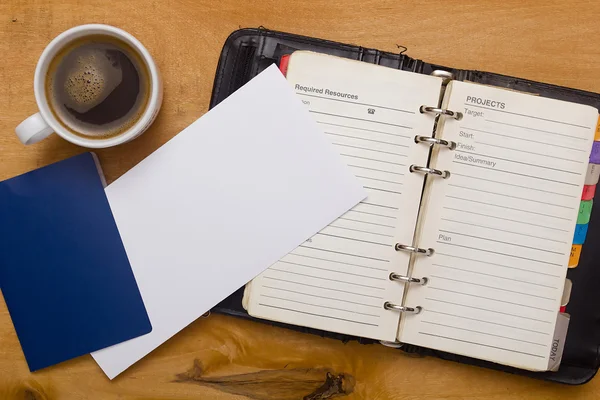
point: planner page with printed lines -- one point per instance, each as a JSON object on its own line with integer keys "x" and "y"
{"x": 501, "y": 225}
{"x": 339, "y": 279}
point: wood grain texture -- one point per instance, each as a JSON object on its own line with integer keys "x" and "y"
{"x": 227, "y": 358}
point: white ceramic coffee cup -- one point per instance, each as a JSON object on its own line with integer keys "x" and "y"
{"x": 44, "y": 123}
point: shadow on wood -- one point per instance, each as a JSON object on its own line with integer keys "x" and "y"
{"x": 26, "y": 390}
{"x": 283, "y": 384}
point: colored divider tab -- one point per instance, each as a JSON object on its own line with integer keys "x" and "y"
{"x": 580, "y": 233}
{"x": 595, "y": 154}
{"x": 566, "y": 296}
{"x": 285, "y": 60}
{"x": 585, "y": 210}
{"x": 574, "y": 256}
{"x": 588, "y": 192}
{"x": 597, "y": 135}
{"x": 592, "y": 175}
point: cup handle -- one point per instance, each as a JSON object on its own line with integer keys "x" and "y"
{"x": 33, "y": 129}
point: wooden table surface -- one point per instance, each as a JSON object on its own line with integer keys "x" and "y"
{"x": 552, "y": 42}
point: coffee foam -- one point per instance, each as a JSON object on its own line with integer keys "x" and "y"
{"x": 90, "y": 79}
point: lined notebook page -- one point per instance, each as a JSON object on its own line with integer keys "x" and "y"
{"x": 339, "y": 279}
{"x": 502, "y": 226}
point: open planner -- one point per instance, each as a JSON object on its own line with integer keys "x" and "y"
{"x": 463, "y": 242}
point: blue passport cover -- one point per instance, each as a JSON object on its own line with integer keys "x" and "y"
{"x": 64, "y": 272}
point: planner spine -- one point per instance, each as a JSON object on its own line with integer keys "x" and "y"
{"x": 431, "y": 141}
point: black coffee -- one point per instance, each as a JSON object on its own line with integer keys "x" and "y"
{"x": 97, "y": 86}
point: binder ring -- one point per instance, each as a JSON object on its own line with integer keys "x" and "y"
{"x": 432, "y": 171}
{"x": 408, "y": 279}
{"x": 446, "y": 76}
{"x": 441, "y": 111}
{"x": 434, "y": 141}
{"x": 410, "y": 310}
{"x": 416, "y": 250}
{"x": 395, "y": 345}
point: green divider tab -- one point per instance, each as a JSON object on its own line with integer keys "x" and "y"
{"x": 585, "y": 210}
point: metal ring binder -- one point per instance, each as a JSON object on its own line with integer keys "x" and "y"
{"x": 446, "y": 76}
{"x": 434, "y": 141}
{"x": 407, "y": 279}
{"x": 395, "y": 345}
{"x": 432, "y": 171}
{"x": 411, "y": 249}
{"x": 441, "y": 111}
{"x": 410, "y": 310}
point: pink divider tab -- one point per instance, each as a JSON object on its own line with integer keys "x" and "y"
{"x": 588, "y": 192}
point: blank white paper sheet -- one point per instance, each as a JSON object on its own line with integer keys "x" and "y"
{"x": 220, "y": 202}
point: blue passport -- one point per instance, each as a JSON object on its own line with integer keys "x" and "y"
{"x": 64, "y": 273}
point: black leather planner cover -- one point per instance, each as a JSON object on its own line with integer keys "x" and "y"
{"x": 249, "y": 51}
